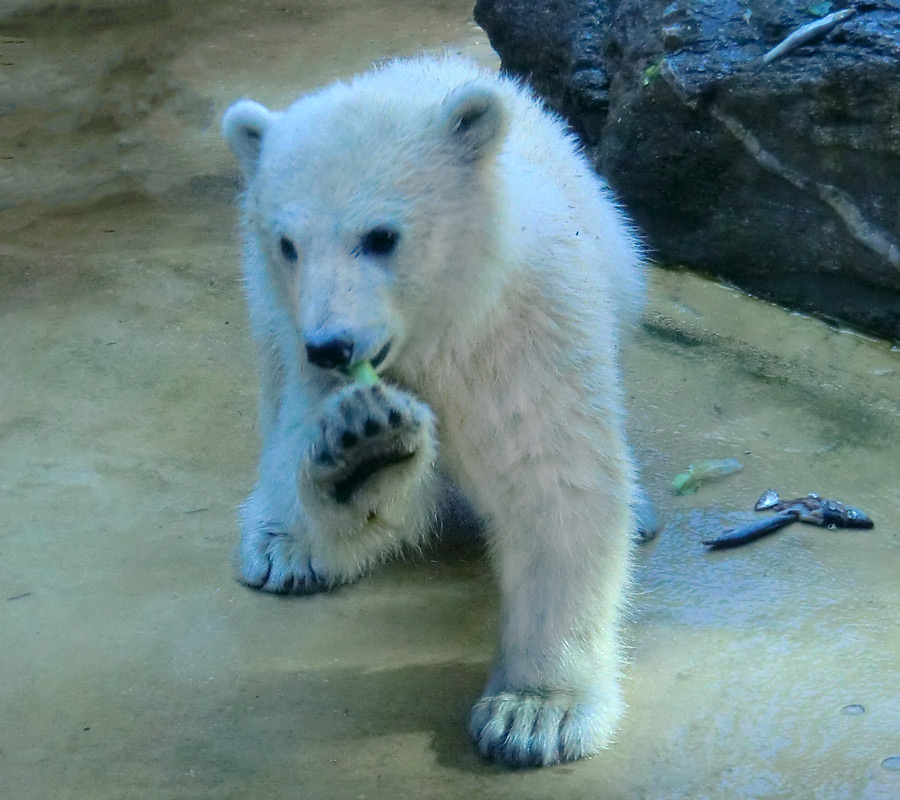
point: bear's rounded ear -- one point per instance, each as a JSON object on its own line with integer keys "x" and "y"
{"x": 244, "y": 126}
{"x": 473, "y": 117}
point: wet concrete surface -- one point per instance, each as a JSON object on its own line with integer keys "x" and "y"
{"x": 134, "y": 665}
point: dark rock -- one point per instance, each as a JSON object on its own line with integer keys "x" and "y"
{"x": 782, "y": 178}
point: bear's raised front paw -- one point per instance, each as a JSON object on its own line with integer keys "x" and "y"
{"x": 275, "y": 562}
{"x": 366, "y": 431}
{"x": 530, "y": 729}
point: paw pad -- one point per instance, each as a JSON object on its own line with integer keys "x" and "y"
{"x": 365, "y": 430}
{"x": 371, "y": 427}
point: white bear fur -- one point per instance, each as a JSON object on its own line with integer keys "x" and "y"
{"x": 513, "y": 273}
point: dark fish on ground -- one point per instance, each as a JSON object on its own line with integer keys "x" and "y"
{"x": 812, "y": 509}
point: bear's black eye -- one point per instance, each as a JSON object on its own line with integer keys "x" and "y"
{"x": 379, "y": 241}
{"x": 287, "y": 249}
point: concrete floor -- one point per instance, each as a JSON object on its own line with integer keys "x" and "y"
{"x": 132, "y": 663}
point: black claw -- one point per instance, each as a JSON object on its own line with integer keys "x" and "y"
{"x": 265, "y": 578}
{"x": 311, "y": 584}
{"x": 394, "y": 418}
{"x": 349, "y": 439}
{"x": 371, "y": 427}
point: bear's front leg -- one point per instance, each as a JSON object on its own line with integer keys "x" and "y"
{"x": 561, "y": 546}
{"x": 360, "y": 484}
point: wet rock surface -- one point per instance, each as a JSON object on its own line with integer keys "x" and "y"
{"x": 781, "y": 177}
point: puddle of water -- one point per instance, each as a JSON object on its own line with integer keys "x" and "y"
{"x": 135, "y": 666}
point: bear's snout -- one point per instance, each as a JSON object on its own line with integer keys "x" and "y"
{"x": 333, "y": 353}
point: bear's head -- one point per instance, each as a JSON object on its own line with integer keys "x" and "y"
{"x": 373, "y": 206}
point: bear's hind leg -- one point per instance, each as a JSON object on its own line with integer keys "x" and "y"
{"x": 647, "y": 523}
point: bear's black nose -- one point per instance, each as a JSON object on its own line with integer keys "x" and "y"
{"x": 330, "y": 353}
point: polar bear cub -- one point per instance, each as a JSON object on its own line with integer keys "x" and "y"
{"x": 433, "y": 219}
